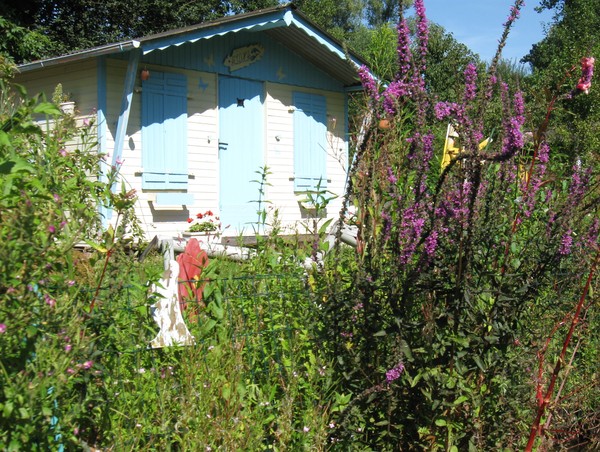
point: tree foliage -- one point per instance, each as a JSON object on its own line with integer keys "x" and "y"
{"x": 70, "y": 25}
{"x": 555, "y": 63}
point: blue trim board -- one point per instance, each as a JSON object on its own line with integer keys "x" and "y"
{"x": 130, "y": 76}
{"x": 102, "y": 126}
{"x": 269, "y": 21}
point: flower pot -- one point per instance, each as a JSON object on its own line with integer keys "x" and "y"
{"x": 385, "y": 124}
{"x": 203, "y": 237}
{"x": 68, "y": 108}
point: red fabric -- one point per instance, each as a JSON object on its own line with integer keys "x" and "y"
{"x": 191, "y": 262}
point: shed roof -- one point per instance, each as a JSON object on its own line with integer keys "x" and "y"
{"x": 284, "y": 23}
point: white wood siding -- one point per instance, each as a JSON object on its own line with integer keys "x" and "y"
{"x": 280, "y": 152}
{"x": 202, "y": 149}
{"x": 80, "y": 80}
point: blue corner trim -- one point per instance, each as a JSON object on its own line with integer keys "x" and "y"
{"x": 102, "y": 127}
{"x": 130, "y": 76}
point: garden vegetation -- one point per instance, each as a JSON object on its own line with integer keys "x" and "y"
{"x": 466, "y": 318}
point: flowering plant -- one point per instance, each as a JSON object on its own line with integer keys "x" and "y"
{"x": 204, "y": 222}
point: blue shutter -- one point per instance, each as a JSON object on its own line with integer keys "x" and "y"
{"x": 164, "y": 132}
{"x": 310, "y": 141}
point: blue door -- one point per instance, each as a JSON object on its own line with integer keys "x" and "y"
{"x": 241, "y": 150}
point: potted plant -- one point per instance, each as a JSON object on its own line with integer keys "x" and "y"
{"x": 205, "y": 224}
{"x": 63, "y": 100}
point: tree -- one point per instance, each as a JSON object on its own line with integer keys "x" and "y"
{"x": 339, "y": 17}
{"x": 68, "y": 25}
{"x": 555, "y": 61}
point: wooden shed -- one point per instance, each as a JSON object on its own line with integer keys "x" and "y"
{"x": 193, "y": 116}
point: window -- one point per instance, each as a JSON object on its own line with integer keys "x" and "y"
{"x": 164, "y": 132}
{"x": 310, "y": 141}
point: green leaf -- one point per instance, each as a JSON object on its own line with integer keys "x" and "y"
{"x": 7, "y": 409}
{"x": 460, "y": 400}
{"x": 7, "y": 166}
{"x": 46, "y": 108}
{"x": 380, "y": 333}
{"x": 477, "y": 360}
{"x": 440, "y": 422}
{"x": 4, "y": 139}
{"x": 96, "y": 246}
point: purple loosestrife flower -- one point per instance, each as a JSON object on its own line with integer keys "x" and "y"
{"x": 513, "y": 137}
{"x": 423, "y": 39}
{"x": 444, "y": 109}
{"x": 565, "y": 243}
{"x": 392, "y": 179}
{"x": 431, "y": 243}
{"x": 410, "y": 231}
{"x": 422, "y": 29}
{"x": 403, "y": 50}
{"x": 531, "y": 184}
{"x": 470, "y": 82}
{"x": 395, "y": 372}
{"x": 369, "y": 83}
{"x": 387, "y": 225}
{"x": 515, "y": 12}
{"x": 579, "y": 182}
{"x": 393, "y": 92}
{"x": 590, "y": 241}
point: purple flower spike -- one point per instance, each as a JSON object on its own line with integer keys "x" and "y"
{"x": 395, "y": 372}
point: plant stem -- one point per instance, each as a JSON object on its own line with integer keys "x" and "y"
{"x": 535, "y": 428}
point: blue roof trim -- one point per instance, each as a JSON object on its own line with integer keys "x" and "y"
{"x": 272, "y": 20}
{"x": 304, "y": 26}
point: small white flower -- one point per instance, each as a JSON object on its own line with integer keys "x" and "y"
{"x": 305, "y": 429}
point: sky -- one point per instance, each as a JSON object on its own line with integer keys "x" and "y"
{"x": 479, "y": 24}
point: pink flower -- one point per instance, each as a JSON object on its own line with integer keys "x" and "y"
{"x": 63, "y": 152}
{"x": 70, "y": 371}
{"x": 49, "y": 300}
{"x": 587, "y": 72}
{"x": 2, "y": 328}
{"x": 87, "y": 364}
{"x": 51, "y": 229}
{"x": 68, "y": 348}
